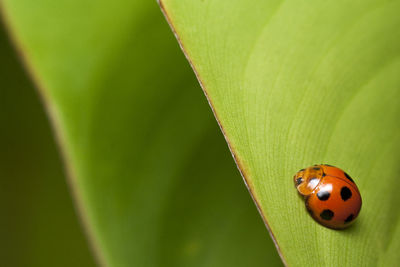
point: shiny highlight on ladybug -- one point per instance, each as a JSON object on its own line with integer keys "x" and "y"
{"x": 332, "y": 198}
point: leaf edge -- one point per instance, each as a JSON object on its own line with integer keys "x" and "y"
{"x": 239, "y": 164}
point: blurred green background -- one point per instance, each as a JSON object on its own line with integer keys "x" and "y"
{"x": 153, "y": 169}
{"x": 39, "y": 226}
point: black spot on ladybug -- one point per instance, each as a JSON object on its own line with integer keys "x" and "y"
{"x": 323, "y": 195}
{"x": 299, "y": 180}
{"x": 348, "y": 177}
{"x": 327, "y": 215}
{"x": 323, "y": 174}
{"x": 345, "y": 193}
{"x": 316, "y": 168}
{"x": 349, "y": 219}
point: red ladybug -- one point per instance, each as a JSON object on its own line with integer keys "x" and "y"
{"x": 332, "y": 198}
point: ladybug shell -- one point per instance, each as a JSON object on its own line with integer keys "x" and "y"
{"x": 336, "y": 201}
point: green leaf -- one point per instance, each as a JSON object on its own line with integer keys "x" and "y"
{"x": 295, "y": 83}
{"x": 154, "y": 180}
{"x": 38, "y": 226}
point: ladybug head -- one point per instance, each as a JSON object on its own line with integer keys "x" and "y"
{"x": 306, "y": 180}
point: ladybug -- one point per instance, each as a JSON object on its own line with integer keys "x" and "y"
{"x": 332, "y": 198}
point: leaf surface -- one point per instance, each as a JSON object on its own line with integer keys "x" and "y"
{"x": 297, "y": 83}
